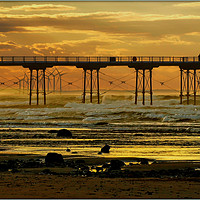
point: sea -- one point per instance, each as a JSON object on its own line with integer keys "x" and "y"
{"x": 163, "y": 131}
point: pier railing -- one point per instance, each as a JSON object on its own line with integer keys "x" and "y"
{"x": 79, "y": 59}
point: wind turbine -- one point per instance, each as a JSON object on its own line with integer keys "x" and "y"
{"x": 19, "y": 82}
{"x": 25, "y": 81}
{"x": 60, "y": 77}
{"x": 48, "y": 82}
{"x": 54, "y": 79}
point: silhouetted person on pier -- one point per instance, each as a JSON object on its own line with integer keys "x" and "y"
{"x": 199, "y": 57}
{"x": 134, "y": 59}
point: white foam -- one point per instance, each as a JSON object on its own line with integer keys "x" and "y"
{"x": 112, "y": 108}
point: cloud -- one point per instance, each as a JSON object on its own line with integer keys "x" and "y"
{"x": 108, "y": 22}
{"x": 97, "y": 32}
{"x": 8, "y": 46}
{"x": 2, "y": 35}
{"x": 188, "y": 5}
{"x": 91, "y": 46}
{"x": 38, "y": 7}
{"x": 110, "y": 16}
{"x": 193, "y": 34}
{"x": 167, "y": 39}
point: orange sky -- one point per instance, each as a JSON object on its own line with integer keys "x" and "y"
{"x": 100, "y": 29}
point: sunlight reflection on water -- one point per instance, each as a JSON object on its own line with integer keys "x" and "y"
{"x": 168, "y": 131}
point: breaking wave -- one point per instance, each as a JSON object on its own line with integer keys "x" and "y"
{"x": 119, "y": 109}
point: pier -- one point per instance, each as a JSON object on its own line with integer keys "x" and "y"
{"x": 91, "y": 66}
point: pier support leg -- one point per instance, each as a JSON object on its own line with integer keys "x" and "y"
{"x": 136, "y": 87}
{"x": 37, "y": 87}
{"x": 44, "y": 86}
{"x": 144, "y": 84}
{"x": 188, "y": 86}
{"x": 151, "y": 88}
{"x": 194, "y": 86}
{"x": 143, "y": 88}
{"x": 181, "y": 87}
{"x": 30, "y": 93}
{"x": 91, "y": 85}
{"x": 84, "y": 86}
{"x": 98, "y": 94}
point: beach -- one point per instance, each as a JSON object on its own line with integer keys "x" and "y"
{"x": 154, "y": 150}
{"x": 53, "y": 187}
{"x": 99, "y": 100}
{"x": 59, "y": 182}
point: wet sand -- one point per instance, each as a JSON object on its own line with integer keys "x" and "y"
{"x": 59, "y": 186}
{"x": 31, "y": 183}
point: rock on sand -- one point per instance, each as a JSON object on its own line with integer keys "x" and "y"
{"x": 64, "y": 133}
{"x": 54, "y": 159}
{"x": 105, "y": 149}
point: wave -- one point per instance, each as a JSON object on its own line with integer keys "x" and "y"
{"x": 113, "y": 109}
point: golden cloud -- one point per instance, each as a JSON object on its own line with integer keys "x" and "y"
{"x": 91, "y": 46}
{"x": 2, "y": 35}
{"x": 8, "y": 46}
{"x": 111, "y": 16}
{"x": 193, "y": 34}
{"x": 108, "y": 22}
{"x": 37, "y": 7}
{"x": 188, "y": 5}
{"x": 170, "y": 39}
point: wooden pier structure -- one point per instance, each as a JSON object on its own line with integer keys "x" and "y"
{"x": 91, "y": 66}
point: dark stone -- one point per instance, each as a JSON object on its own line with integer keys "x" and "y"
{"x": 106, "y": 165}
{"x": 99, "y": 153}
{"x": 4, "y": 167}
{"x": 105, "y": 149}
{"x": 52, "y": 131}
{"x": 13, "y": 163}
{"x": 54, "y": 159}
{"x": 64, "y": 133}
{"x": 144, "y": 161}
{"x": 70, "y": 163}
{"x": 68, "y": 150}
{"x": 116, "y": 164}
{"x": 131, "y": 164}
{"x": 31, "y": 163}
